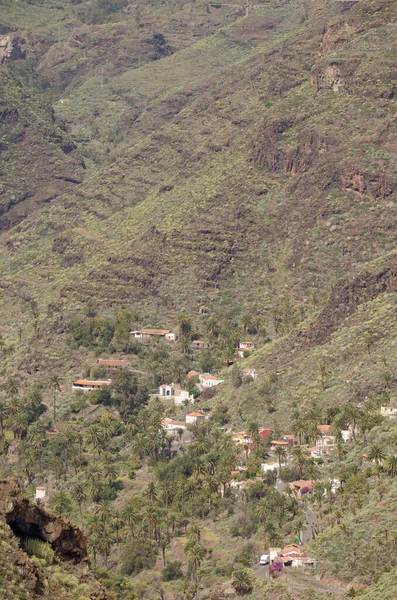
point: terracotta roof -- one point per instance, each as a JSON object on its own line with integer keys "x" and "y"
{"x": 195, "y": 414}
{"x": 40, "y": 487}
{"x": 165, "y": 385}
{"x": 247, "y": 343}
{"x": 301, "y": 483}
{"x": 279, "y": 443}
{"x": 193, "y": 373}
{"x": 209, "y": 377}
{"x": 324, "y": 428}
{"x": 173, "y": 422}
{"x": 92, "y": 383}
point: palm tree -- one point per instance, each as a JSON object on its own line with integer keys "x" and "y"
{"x": 117, "y": 522}
{"x": 104, "y": 511}
{"x": 298, "y": 429}
{"x": 106, "y": 541}
{"x": 79, "y": 494}
{"x": 195, "y": 554}
{"x": 272, "y": 534}
{"x": 164, "y": 543}
{"x": 61, "y": 502}
{"x": 377, "y": 454}
{"x": 390, "y": 464}
{"x": 194, "y": 534}
{"x": 299, "y": 459}
{"x": 246, "y": 322}
{"x": 243, "y": 581}
{"x": 263, "y": 509}
{"x": 55, "y": 382}
{"x": 151, "y": 492}
{"x": 281, "y": 454}
{"x": 94, "y": 545}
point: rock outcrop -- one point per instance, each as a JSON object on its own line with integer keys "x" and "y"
{"x": 28, "y": 519}
{"x": 10, "y": 48}
{"x": 347, "y": 295}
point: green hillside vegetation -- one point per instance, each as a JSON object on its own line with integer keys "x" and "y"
{"x": 228, "y": 172}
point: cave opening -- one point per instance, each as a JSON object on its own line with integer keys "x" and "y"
{"x": 24, "y": 530}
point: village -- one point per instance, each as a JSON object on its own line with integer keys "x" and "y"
{"x": 281, "y": 450}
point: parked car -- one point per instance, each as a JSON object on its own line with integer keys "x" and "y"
{"x": 264, "y": 559}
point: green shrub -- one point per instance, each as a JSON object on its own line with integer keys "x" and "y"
{"x": 172, "y": 571}
{"x": 137, "y": 556}
{"x": 43, "y": 550}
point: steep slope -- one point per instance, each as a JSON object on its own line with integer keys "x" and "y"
{"x": 256, "y": 167}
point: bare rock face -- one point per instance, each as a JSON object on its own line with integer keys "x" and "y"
{"x": 369, "y": 186}
{"x": 28, "y": 519}
{"x": 10, "y": 48}
{"x": 328, "y": 78}
{"x": 347, "y": 295}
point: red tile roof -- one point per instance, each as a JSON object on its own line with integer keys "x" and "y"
{"x": 92, "y": 383}
{"x": 324, "y": 428}
{"x": 110, "y": 362}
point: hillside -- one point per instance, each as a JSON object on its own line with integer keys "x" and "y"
{"x": 227, "y": 172}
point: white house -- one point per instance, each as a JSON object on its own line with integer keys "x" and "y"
{"x": 166, "y": 391}
{"x": 147, "y": 334}
{"x": 250, "y": 373}
{"x": 194, "y": 417}
{"x": 325, "y": 441}
{"x": 388, "y": 411}
{"x": 40, "y": 492}
{"x": 180, "y": 396}
{"x": 172, "y": 425}
{"x": 347, "y": 434}
{"x": 268, "y": 467}
{"x": 207, "y": 380}
{"x": 246, "y": 346}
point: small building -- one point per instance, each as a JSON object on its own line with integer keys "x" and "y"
{"x": 269, "y": 467}
{"x": 301, "y": 487}
{"x": 264, "y": 433}
{"x": 277, "y": 443}
{"x": 292, "y": 555}
{"x": 388, "y": 411}
{"x": 181, "y": 396}
{"x": 347, "y": 434}
{"x": 249, "y": 373}
{"x": 111, "y": 364}
{"x": 246, "y": 346}
{"x": 172, "y": 425}
{"x": 207, "y": 380}
{"x": 89, "y": 385}
{"x": 194, "y": 417}
{"x": 166, "y": 391}
{"x": 200, "y": 345}
{"x": 40, "y": 492}
{"x": 194, "y": 374}
{"x": 324, "y": 429}
{"x": 273, "y": 553}
{"x": 147, "y": 334}
{"x": 317, "y": 451}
